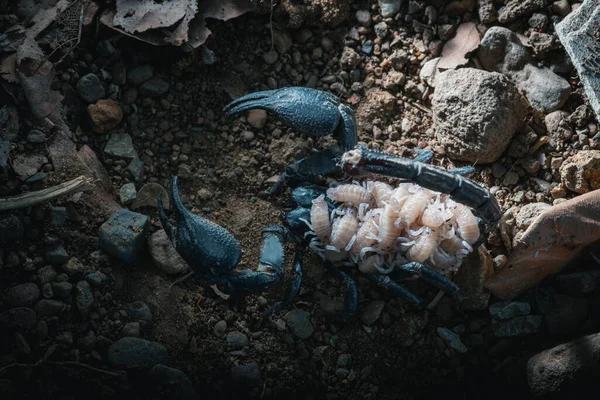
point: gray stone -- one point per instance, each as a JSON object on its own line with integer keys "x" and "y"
{"x": 46, "y": 274}
{"x": 73, "y": 266}
{"x": 571, "y": 368}
{"x": 509, "y": 309}
{"x": 518, "y": 326}
{"x": 578, "y": 33}
{"x": 136, "y": 353}
{"x": 90, "y": 89}
{"x": 136, "y": 169}
{"x": 344, "y": 361}
{"x": 372, "y": 312}
{"x": 164, "y": 255}
{"x": 172, "y": 384}
{"x": 154, "y": 87}
{"x": 48, "y": 308}
{"x": 36, "y": 137}
{"x": 47, "y": 290}
{"x": 57, "y": 256}
{"x": 138, "y": 310}
{"x": 237, "y": 340}
{"x": 502, "y": 51}
{"x": 127, "y": 193}
{"x": 389, "y": 8}
{"x": 18, "y": 318}
{"x": 131, "y": 329}
{"x": 96, "y": 278}
{"x": 26, "y": 165}
{"x": 11, "y": 227}
{"x": 298, "y": 323}
{"x": 148, "y": 194}
{"x": 220, "y": 328}
{"x": 84, "y": 299}
{"x": 247, "y": 374}
{"x": 122, "y": 236}
{"x": 23, "y": 295}
{"x": 363, "y": 17}
{"x": 476, "y": 113}
{"x": 452, "y": 339}
{"x": 62, "y": 290}
{"x": 121, "y": 145}
{"x": 58, "y": 216}
{"x": 139, "y": 74}
{"x": 517, "y": 8}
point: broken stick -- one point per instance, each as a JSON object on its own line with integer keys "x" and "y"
{"x": 29, "y": 199}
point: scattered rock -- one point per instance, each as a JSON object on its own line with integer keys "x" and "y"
{"x": 257, "y": 118}
{"x": 147, "y": 196}
{"x": 247, "y": 374}
{"x": 501, "y": 51}
{"x": 559, "y": 127}
{"x": 372, "y": 312}
{"x": 136, "y": 353}
{"x": 509, "y": 309}
{"x": 475, "y": 114}
{"x": 48, "y": 308}
{"x": 62, "y": 290}
{"x": 376, "y": 104}
{"x": 452, "y": 339}
{"x": 23, "y": 295}
{"x": 220, "y": 328}
{"x": 96, "y": 279}
{"x": 90, "y": 89}
{"x": 106, "y": 115}
{"x": 26, "y": 165}
{"x": 73, "y": 266}
{"x": 84, "y": 299}
{"x": 123, "y": 235}
{"x": 131, "y": 329}
{"x": 349, "y": 58}
{"x": 164, "y": 255}
{"x": 581, "y": 172}
{"x": 567, "y": 368}
{"x": 136, "y": 169}
{"x": 515, "y": 9}
{"x": 298, "y": 323}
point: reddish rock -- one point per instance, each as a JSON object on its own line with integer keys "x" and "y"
{"x": 105, "y": 115}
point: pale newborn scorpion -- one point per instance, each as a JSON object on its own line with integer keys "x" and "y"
{"x": 213, "y": 252}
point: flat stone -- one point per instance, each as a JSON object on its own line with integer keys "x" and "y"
{"x": 509, "y": 309}
{"x": 121, "y": 145}
{"x": 578, "y": 33}
{"x": 164, "y": 255}
{"x": 122, "y": 236}
{"x": 26, "y": 165}
{"x": 571, "y": 368}
{"x": 518, "y": 326}
{"x": 138, "y": 310}
{"x": 49, "y": 308}
{"x": 452, "y": 339}
{"x": 136, "y": 353}
{"x": 139, "y": 74}
{"x": 172, "y": 383}
{"x": 148, "y": 194}
{"x": 136, "y": 169}
{"x": 154, "y": 87}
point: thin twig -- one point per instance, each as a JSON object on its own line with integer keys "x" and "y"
{"x": 419, "y": 106}
{"x": 29, "y": 199}
{"x": 59, "y": 363}
{"x": 435, "y": 300}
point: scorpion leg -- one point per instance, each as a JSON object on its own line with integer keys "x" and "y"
{"x": 293, "y": 289}
{"x": 386, "y": 282}
{"x": 463, "y": 190}
{"x": 428, "y": 274}
{"x": 351, "y": 295}
{"x": 425, "y": 156}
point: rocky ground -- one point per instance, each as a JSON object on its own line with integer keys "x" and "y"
{"x": 78, "y": 322}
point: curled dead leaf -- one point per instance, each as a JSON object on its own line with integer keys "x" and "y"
{"x": 456, "y": 50}
{"x": 554, "y": 239}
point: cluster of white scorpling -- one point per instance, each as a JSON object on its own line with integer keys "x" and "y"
{"x": 378, "y": 227}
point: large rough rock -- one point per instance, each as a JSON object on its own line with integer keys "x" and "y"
{"x": 571, "y": 368}
{"x": 578, "y": 33}
{"x": 476, "y": 113}
{"x": 517, "y": 8}
{"x": 581, "y": 173}
{"x": 502, "y": 51}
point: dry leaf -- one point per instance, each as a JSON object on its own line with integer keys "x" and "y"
{"x": 180, "y": 34}
{"x": 455, "y": 51}
{"x": 555, "y": 237}
{"x": 135, "y": 16}
{"x": 45, "y": 17}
